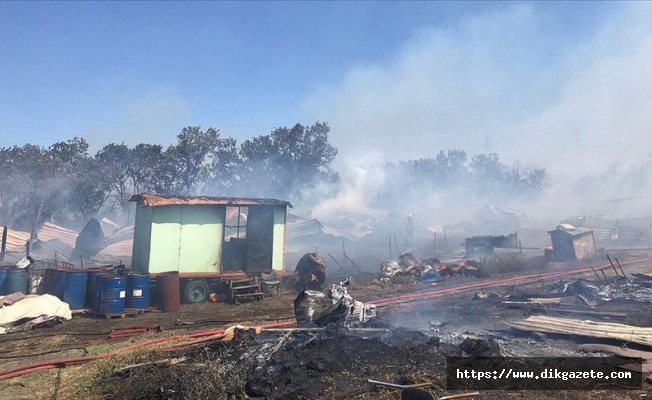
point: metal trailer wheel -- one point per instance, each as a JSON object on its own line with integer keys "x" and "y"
{"x": 196, "y": 291}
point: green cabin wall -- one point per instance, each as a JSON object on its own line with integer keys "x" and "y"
{"x": 142, "y": 238}
{"x": 278, "y": 252}
{"x": 186, "y": 238}
{"x": 201, "y": 238}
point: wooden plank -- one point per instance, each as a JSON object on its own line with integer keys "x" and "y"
{"x": 646, "y": 356}
{"x": 535, "y": 307}
{"x": 603, "y": 330}
{"x": 235, "y": 288}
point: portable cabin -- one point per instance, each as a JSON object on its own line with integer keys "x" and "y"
{"x": 208, "y": 237}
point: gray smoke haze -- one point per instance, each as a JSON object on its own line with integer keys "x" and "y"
{"x": 506, "y": 82}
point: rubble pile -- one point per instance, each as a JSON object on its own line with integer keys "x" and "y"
{"x": 311, "y": 271}
{"x": 407, "y": 269}
{"x": 338, "y": 308}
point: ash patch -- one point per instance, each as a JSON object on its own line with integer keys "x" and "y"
{"x": 327, "y": 364}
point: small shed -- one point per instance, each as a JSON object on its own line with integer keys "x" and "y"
{"x": 484, "y": 246}
{"x": 208, "y": 236}
{"x": 572, "y": 244}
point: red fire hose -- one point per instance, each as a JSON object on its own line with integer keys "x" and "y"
{"x": 50, "y": 364}
{"x": 217, "y": 334}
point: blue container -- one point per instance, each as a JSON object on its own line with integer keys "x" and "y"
{"x": 112, "y": 293}
{"x": 138, "y": 291}
{"x": 47, "y": 281}
{"x": 16, "y": 281}
{"x": 57, "y": 283}
{"x": 3, "y": 277}
{"x": 91, "y": 288}
{"x": 74, "y": 289}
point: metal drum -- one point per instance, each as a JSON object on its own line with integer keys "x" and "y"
{"x": 112, "y": 290}
{"x": 92, "y": 292}
{"x": 138, "y": 291}
{"x": 47, "y": 280}
{"x": 167, "y": 284}
{"x": 57, "y": 282}
{"x": 3, "y": 277}
{"x": 16, "y": 281}
{"x": 74, "y": 292}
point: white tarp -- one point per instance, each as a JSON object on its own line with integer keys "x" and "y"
{"x": 30, "y": 310}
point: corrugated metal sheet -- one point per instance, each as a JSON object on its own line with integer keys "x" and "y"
{"x": 16, "y": 239}
{"x": 156, "y": 200}
{"x": 118, "y": 249}
{"x": 51, "y": 231}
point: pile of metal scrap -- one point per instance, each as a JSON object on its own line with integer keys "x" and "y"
{"x": 338, "y": 308}
{"x": 409, "y": 270}
{"x": 584, "y": 297}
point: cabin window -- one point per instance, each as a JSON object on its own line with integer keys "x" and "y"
{"x": 236, "y": 222}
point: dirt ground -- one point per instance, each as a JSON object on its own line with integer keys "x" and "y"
{"x": 411, "y": 348}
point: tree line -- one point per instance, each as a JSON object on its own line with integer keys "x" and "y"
{"x": 65, "y": 183}
{"x": 482, "y": 177}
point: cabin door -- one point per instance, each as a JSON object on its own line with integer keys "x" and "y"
{"x": 260, "y": 238}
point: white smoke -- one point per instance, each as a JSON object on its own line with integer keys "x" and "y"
{"x": 504, "y": 82}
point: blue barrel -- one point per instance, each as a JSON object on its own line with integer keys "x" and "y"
{"x": 57, "y": 283}
{"x": 74, "y": 288}
{"x": 138, "y": 291}
{"x": 47, "y": 281}
{"x": 3, "y": 277}
{"x": 91, "y": 287}
{"x": 112, "y": 290}
{"x": 16, "y": 281}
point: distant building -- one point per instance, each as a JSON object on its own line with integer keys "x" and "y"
{"x": 484, "y": 246}
{"x": 572, "y": 244}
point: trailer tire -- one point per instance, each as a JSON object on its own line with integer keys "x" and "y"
{"x": 196, "y": 291}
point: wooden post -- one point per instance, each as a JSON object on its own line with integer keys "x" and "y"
{"x": 435, "y": 245}
{"x": 27, "y": 247}
{"x": 398, "y": 252}
{"x": 4, "y": 243}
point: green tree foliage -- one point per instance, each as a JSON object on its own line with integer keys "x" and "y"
{"x": 38, "y": 183}
{"x": 484, "y": 177}
{"x": 63, "y": 182}
{"x": 115, "y": 162}
{"x": 287, "y": 161}
{"x": 197, "y": 158}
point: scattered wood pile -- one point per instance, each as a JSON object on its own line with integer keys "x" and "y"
{"x": 602, "y": 330}
{"x": 407, "y": 269}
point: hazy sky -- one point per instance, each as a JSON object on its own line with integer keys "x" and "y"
{"x": 547, "y": 83}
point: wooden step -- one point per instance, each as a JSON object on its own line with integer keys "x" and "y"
{"x": 256, "y": 295}
{"x": 234, "y": 288}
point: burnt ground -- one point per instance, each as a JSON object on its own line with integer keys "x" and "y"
{"x": 330, "y": 364}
